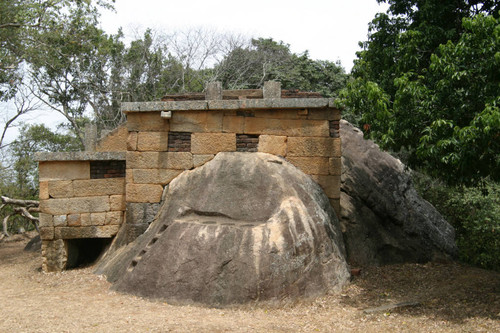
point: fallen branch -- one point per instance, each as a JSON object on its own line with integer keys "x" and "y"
{"x": 23, "y": 208}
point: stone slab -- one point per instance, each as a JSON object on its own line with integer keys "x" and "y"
{"x": 287, "y": 127}
{"x": 272, "y": 144}
{"x": 60, "y": 189}
{"x": 196, "y": 121}
{"x": 159, "y": 160}
{"x": 75, "y": 205}
{"x": 98, "y": 187}
{"x": 144, "y": 193}
{"x": 104, "y": 231}
{"x": 311, "y": 165}
{"x": 63, "y": 170}
{"x": 155, "y": 176}
{"x": 212, "y": 143}
{"x": 323, "y": 147}
{"x": 329, "y": 184}
{"x": 152, "y": 141}
{"x": 147, "y": 121}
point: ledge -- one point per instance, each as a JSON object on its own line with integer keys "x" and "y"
{"x": 80, "y": 156}
{"x": 242, "y": 104}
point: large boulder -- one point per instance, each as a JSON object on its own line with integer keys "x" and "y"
{"x": 383, "y": 218}
{"x": 241, "y": 228}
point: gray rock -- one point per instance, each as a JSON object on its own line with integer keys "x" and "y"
{"x": 383, "y": 219}
{"x": 244, "y": 227}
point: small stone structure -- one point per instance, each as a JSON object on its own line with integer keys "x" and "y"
{"x": 86, "y": 196}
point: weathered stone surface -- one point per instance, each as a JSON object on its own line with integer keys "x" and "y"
{"x": 335, "y": 166}
{"x": 132, "y": 141}
{"x": 54, "y": 255}
{"x": 45, "y": 220}
{"x": 155, "y": 176}
{"x": 278, "y": 114}
{"x": 114, "y": 218}
{"x": 74, "y": 220}
{"x": 272, "y": 89}
{"x": 114, "y": 141}
{"x": 199, "y": 160}
{"x": 159, "y": 160}
{"x": 64, "y": 170}
{"x": 152, "y": 141}
{"x": 326, "y": 147}
{"x": 47, "y": 233}
{"x": 233, "y": 124}
{"x": 272, "y": 144}
{"x": 43, "y": 190}
{"x": 75, "y": 205}
{"x": 144, "y": 193}
{"x": 384, "y": 219}
{"x": 329, "y": 184}
{"x": 328, "y": 114}
{"x": 242, "y": 228}
{"x": 98, "y": 218}
{"x": 290, "y": 127}
{"x": 60, "y": 221}
{"x": 196, "y": 121}
{"x": 141, "y": 212}
{"x": 103, "y": 231}
{"x": 212, "y": 143}
{"x": 60, "y": 189}
{"x": 146, "y": 121}
{"x": 311, "y": 165}
{"x": 117, "y": 202}
{"x": 98, "y": 187}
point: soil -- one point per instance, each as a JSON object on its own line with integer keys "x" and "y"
{"x": 439, "y": 297}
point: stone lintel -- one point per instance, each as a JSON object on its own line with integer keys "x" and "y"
{"x": 80, "y": 156}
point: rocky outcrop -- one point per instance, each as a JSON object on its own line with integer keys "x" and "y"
{"x": 383, "y": 218}
{"x": 243, "y": 227}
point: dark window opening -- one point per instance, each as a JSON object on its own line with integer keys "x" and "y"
{"x": 107, "y": 169}
{"x": 85, "y": 251}
{"x": 247, "y": 142}
{"x": 179, "y": 141}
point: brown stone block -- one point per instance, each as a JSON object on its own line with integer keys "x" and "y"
{"x": 132, "y": 141}
{"x": 129, "y": 176}
{"x": 199, "y": 160}
{"x": 152, "y": 141}
{"x": 323, "y": 147}
{"x": 196, "y": 121}
{"x": 272, "y": 144}
{"x": 114, "y": 141}
{"x": 278, "y": 114}
{"x": 114, "y": 218}
{"x": 335, "y": 166}
{"x": 155, "y": 176}
{"x": 54, "y": 255}
{"x": 75, "y": 205}
{"x": 159, "y": 160}
{"x": 45, "y": 220}
{"x": 326, "y": 114}
{"x": 103, "y": 231}
{"x": 336, "y": 206}
{"x": 60, "y": 220}
{"x": 85, "y": 219}
{"x": 60, "y": 189}
{"x": 98, "y": 187}
{"x": 47, "y": 233}
{"x": 117, "y": 202}
{"x": 74, "y": 220}
{"x": 233, "y": 124}
{"x": 212, "y": 143}
{"x": 311, "y": 165}
{"x": 288, "y": 127}
{"x": 144, "y": 193}
{"x": 329, "y": 184}
{"x": 98, "y": 218}
{"x": 63, "y": 170}
{"x": 43, "y": 192}
{"x": 146, "y": 121}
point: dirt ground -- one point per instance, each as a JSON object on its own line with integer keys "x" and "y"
{"x": 445, "y": 298}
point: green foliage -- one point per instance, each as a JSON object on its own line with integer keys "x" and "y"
{"x": 475, "y": 214}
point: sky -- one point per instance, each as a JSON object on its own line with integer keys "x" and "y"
{"x": 328, "y": 29}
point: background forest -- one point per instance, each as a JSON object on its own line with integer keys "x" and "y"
{"x": 425, "y": 86}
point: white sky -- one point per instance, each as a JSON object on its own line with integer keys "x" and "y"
{"x": 328, "y": 29}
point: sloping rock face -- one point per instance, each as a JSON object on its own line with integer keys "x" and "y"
{"x": 243, "y": 227}
{"x": 383, "y": 218}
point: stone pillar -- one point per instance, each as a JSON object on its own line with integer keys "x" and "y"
{"x": 272, "y": 89}
{"x": 213, "y": 91}
{"x": 54, "y": 255}
{"x": 90, "y": 137}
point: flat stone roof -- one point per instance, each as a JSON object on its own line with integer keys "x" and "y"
{"x": 80, "y": 156}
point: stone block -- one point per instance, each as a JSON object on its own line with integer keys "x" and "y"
{"x": 117, "y": 202}
{"x": 45, "y": 220}
{"x": 159, "y": 160}
{"x": 287, "y": 127}
{"x": 199, "y": 160}
{"x": 212, "y": 143}
{"x": 196, "y": 121}
{"x": 233, "y": 124}
{"x": 213, "y": 91}
{"x": 99, "y": 187}
{"x": 54, "y": 255}
{"x": 74, "y": 220}
{"x": 155, "y": 176}
{"x": 103, "y": 231}
{"x": 147, "y": 121}
{"x": 152, "y": 141}
{"x": 326, "y": 114}
{"x": 336, "y": 206}
{"x": 329, "y": 184}
{"x": 278, "y": 114}
{"x": 85, "y": 219}
{"x": 144, "y": 193}
{"x": 114, "y": 141}
{"x": 114, "y": 218}
{"x": 311, "y": 165}
{"x": 323, "y": 147}
{"x": 132, "y": 141}
{"x": 60, "y": 220}
{"x": 47, "y": 233}
{"x": 60, "y": 189}
{"x": 272, "y": 89}
{"x": 141, "y": 213}
{"x": 272, "y": 144}
{"x": 129, "y": 176}
{"x": 98, "y": 218}
{"x": 43, "y": 192}
{"x": 63, "y": 170}
{"x": 75, "y": 205}
{"x": 335, "y": 166}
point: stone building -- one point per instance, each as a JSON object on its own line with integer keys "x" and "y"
{"x": 87, "y": 198}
